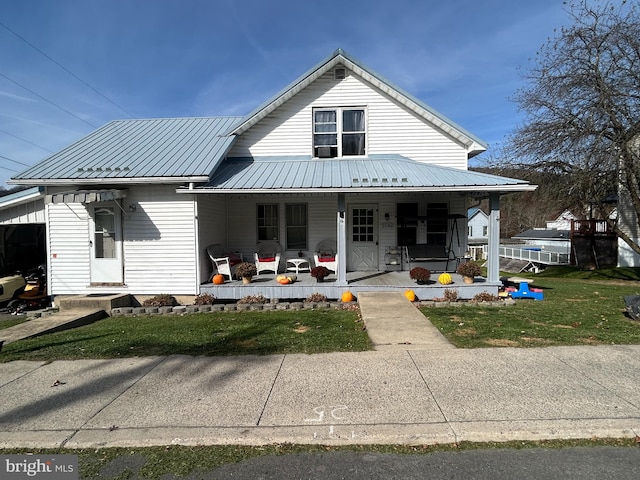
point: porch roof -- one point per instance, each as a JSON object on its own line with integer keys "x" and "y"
{"x": 376, "y": 173}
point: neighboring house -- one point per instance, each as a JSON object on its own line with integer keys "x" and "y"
{"x": 22, "y": 231}
{"x": 477, "y": 233}
{"x": 563, "y": 222}
{"x": 340, "y": 153}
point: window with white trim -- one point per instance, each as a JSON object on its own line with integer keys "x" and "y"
{"x": 268, "y": 226}
{"x": 296, "y": 218}
{"x": 339, "y": 132}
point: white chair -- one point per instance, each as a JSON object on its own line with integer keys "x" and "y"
{"x": 267, "y": 257}
{"x": 224, "y": 264}
{"x": 326, "y": 255}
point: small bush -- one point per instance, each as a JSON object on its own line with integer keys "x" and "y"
{"x": 204, "y": 299}
{"x": 469, "y": 269}
{"x": 162, "y": 300}
{"x": 450, "y": 295}
{"x": 251, "y": 299}
{"x": 246, "y": 270}
{"x": 420, "y": 274}
{"x": 320, "y": 272}
{"x": 485, "y": 297}
{"x": 316, "y": 298}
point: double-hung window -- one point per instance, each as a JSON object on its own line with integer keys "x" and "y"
{"x": 296, "y": 214}
{"x": 338, "y": 132}
{"x": 268, "y": 226}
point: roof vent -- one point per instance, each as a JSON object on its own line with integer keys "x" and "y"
{"x": 339, "y": 73}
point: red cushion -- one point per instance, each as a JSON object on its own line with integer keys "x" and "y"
{"x": 326, "y": 259}
{"x": 267, "y": 259}
{"x": 234, "y": 261}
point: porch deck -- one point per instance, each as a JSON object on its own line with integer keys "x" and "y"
{"x": 306, "y": 285}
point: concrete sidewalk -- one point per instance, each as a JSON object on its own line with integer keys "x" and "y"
{"x": 410, "y": 397}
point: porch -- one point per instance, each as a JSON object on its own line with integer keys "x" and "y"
{"x": 381, "y": 281}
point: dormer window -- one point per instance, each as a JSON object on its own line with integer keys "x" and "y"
{"x": 338, "y": 132}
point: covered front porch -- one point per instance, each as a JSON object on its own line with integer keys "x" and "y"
{"x": 381, "y": 281}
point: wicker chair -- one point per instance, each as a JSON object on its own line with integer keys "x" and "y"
{"x": 223, "y": 263}
{"x": 267, "y": 257}
{"x": 326, "y": 255}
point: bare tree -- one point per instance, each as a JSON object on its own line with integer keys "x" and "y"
{"x": 582, "y": 106}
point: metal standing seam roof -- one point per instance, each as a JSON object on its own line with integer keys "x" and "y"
{"x": 375, "y": 173}
{"x": 182, "y": 148}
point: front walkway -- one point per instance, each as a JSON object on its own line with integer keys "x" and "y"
{"x": 394, "y": 323}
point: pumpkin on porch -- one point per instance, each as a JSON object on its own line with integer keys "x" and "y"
{"x": 347, "y": 297}
{"x": 218, "y": 279}
{"x": 410, "y": 295}
{"x": 445, "y": 279}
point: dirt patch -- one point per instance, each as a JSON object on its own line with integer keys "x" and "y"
{"x": 590, "y": 341}
{"x": 465, "y": 332}
{"x": 501, "y": 342}
{"x": 301, "y": 329}
{"x": 537, "y": 341}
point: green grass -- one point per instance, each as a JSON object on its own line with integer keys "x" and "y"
{"x": 222, "y": 333}
{"x": 156, "y": 462}
{"x": 10, "y": 322}
{"x": 579, "y": 308}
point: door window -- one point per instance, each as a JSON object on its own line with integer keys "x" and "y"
{"x": 105, "y": 232}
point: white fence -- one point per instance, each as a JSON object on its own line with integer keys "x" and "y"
{"x": 535, "y": 255}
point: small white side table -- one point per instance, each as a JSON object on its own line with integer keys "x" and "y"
{"x": 298, "y": 265}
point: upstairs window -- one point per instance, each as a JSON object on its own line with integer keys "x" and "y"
{"x": 339, "y": 132}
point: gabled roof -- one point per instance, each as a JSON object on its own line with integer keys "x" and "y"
{"x": 23, "y": 196}
{"x": 474, "y": 144}
{"x": 180, "y": 149}
{"x": 377, "y": 173}
{"x": 472, "y": 212}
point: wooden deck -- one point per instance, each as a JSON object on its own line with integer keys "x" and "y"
{"x": 306, "y": 285}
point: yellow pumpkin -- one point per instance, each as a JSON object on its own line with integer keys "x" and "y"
{"x": 347, "y": 297}
{"x": 279, "y": 278}
{"x": 410, "y": 295}
{"x": 445, "y": 279}
{"x": 218, "y": 279}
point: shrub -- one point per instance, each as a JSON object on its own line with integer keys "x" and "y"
{"x": 246, "y": 269}
{"x": 204, "y": 299}
{"x": 316, "y": 298}
{"x": 469, "y": 269}
{"x": 254, "y": 299}
{"x": 450, "y": 295}
{"x": 420, "y": 274}
{"x": 320, "y": 272}
{"x": 162, "y": 300}
{"x": 485, "y": 297}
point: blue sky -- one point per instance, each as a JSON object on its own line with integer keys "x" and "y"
{"x": 176, "y": 58}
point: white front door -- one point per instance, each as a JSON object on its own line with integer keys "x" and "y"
{"x": 106, "y": 244}
{"x": 363, "y": 238}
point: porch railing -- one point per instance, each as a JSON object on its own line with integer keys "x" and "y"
{"x": 534, "y": 255}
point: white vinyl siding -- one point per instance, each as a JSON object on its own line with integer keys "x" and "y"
{"x": 28, "y": 212}
{"x": 159, "y": 245}
{"x": 390, "y": 128}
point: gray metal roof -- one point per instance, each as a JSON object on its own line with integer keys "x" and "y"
{"x": 375, "y": 173}
{"x": 340, "y": 57}
{"x": 126, "y": 150}
{"x": 543, "y": 234}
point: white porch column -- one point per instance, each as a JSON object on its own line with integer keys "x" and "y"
{"x": 493, "y": 253}
{"x": 341, "y": 239}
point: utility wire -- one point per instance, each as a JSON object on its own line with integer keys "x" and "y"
{"x": 66, "y": 69}
{"x": 15, "y": 161}
{"x": 48, "y": 101}
{"x": 26, "y": 141}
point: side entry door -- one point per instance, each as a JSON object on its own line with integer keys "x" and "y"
{"x": 106, "y": 244}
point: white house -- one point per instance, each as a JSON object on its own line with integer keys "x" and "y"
{"x": 477, "y": 233}
{"x": 340, "y": 154}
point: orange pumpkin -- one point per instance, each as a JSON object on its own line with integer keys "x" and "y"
{"x": 218, "y": 279}
{"x": 347, "y": 297}
{"x": 410, "y": 295}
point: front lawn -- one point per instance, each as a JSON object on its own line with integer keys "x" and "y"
{"x": 579, "y": 308}
{"x": 223, "y": 333}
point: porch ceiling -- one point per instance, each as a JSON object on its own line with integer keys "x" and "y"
{"x": 376, "y": 173}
